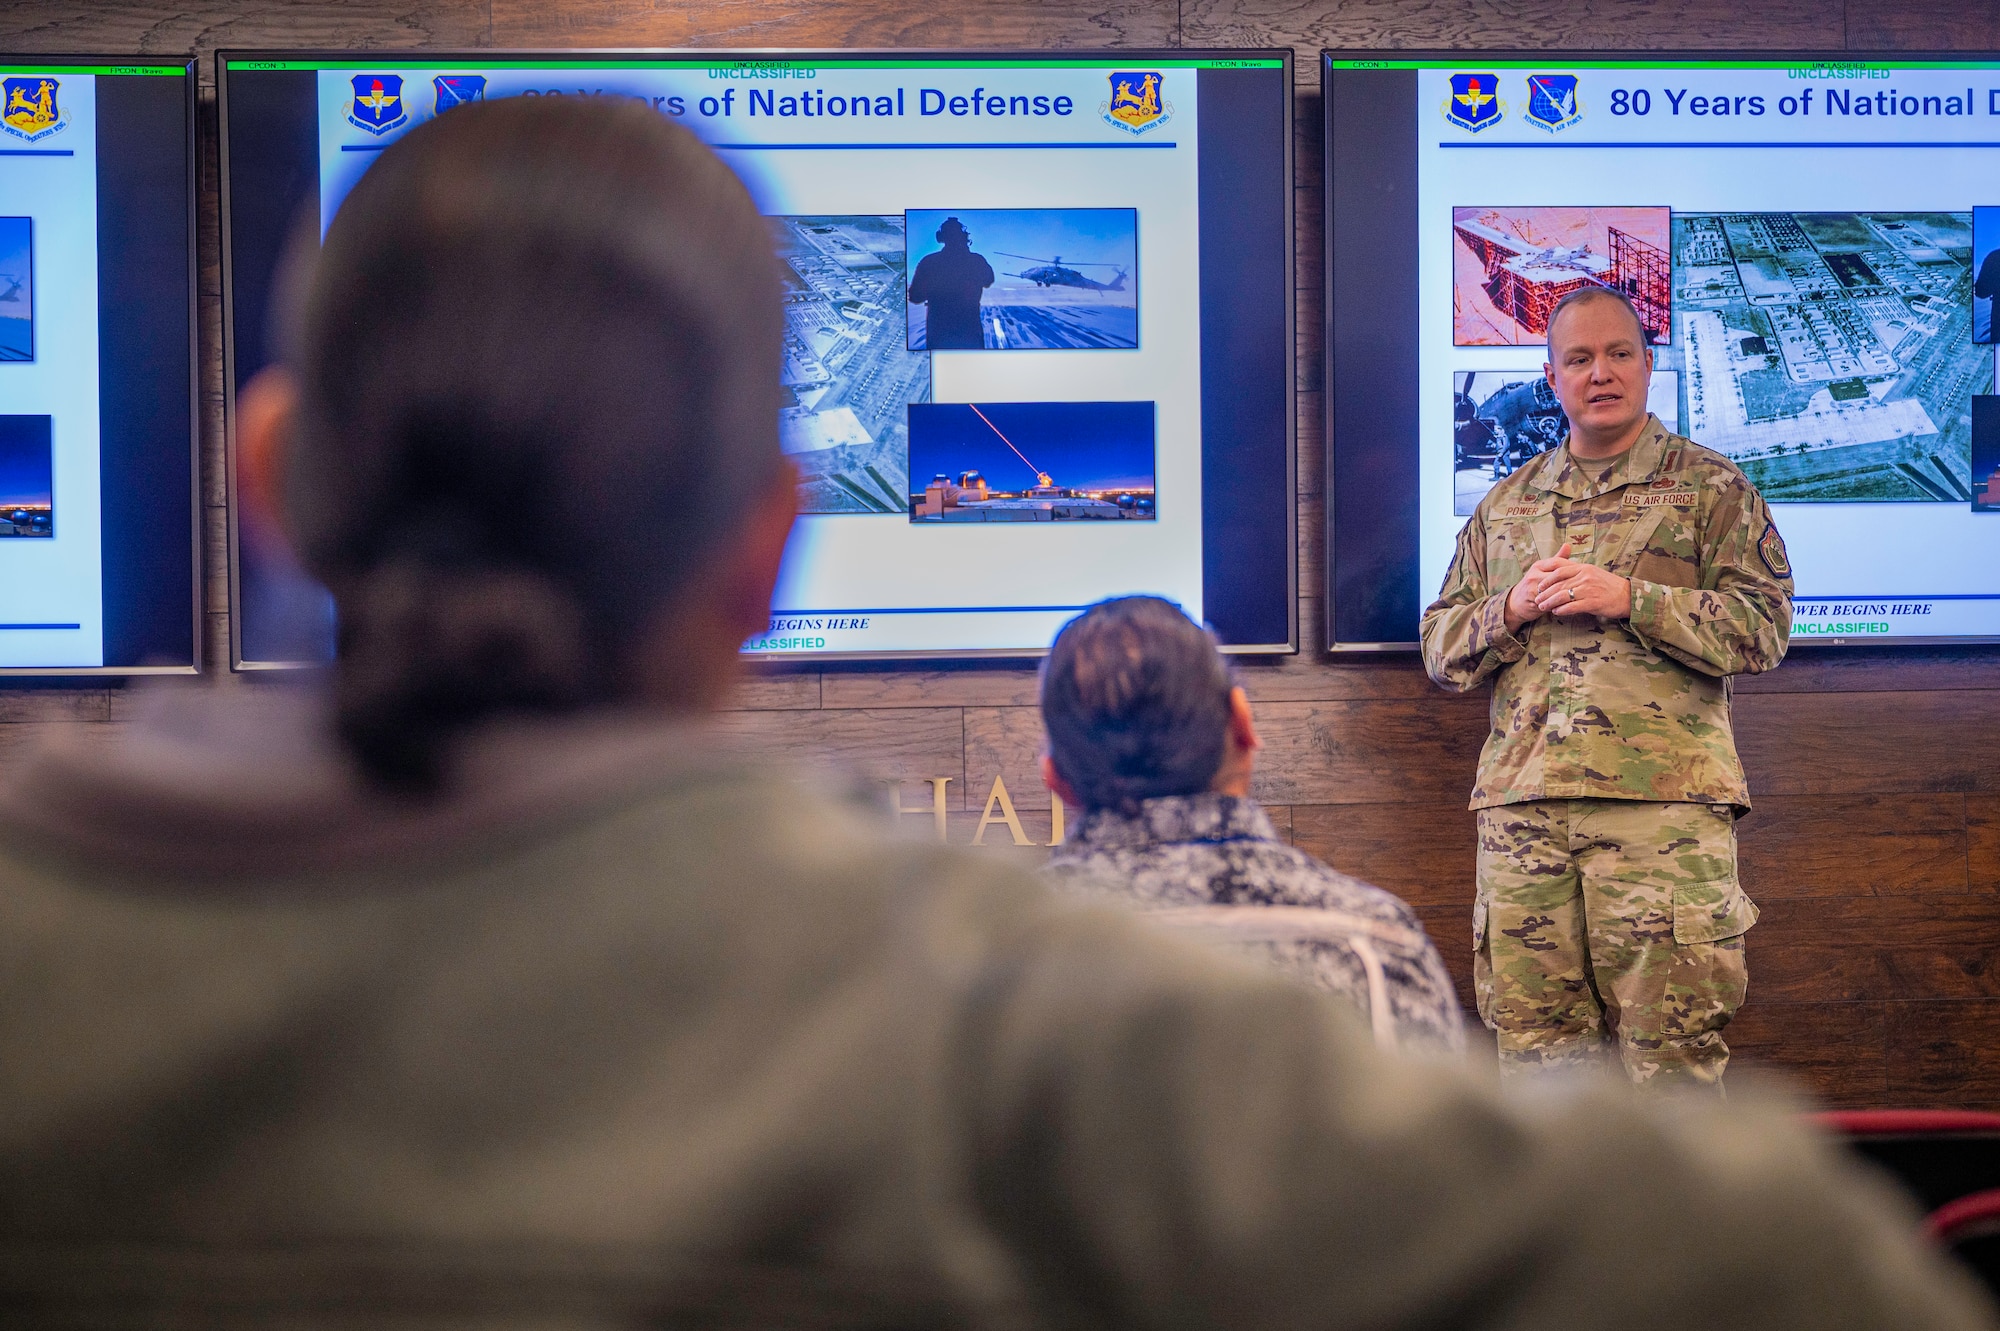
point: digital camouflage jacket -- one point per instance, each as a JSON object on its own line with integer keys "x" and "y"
{"x": 1631, "y": 710}
{"x": 1221, "y": 850}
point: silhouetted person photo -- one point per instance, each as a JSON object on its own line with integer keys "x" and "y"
{"x": 488, "y": 985}
{"x": 1985, "y": 292}
{"x": 948, "y": 284}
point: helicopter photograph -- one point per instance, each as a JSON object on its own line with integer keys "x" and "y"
{"x": 17, "y": 296}
{"x": 1013, "y": 279}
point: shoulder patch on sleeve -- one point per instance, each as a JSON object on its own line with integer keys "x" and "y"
{"x": 1772, "y": 549}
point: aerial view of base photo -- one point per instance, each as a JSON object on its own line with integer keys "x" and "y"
{"x": 1032, "y": 462}
{"x": 849, "y": 377}
{"x": 17, "y": 288}
{"x": 1502, "y": 418}
{"x": 1510, "y": 267}
{"x": 1986, "y": 454}
{"x": 1021, "y": 279}
{"x": 27, "y": 476}
{"x": 1830, "y": 355}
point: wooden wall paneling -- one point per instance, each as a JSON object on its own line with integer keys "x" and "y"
{"x": 834, "y": 23}
{"x": 1312, "y": 677}
{"x": 53, "y": 700}
{"x": 1836, "y": 1051}
{"x": 777, "y": 689}
{"x": 1876, "y": 948}
{"x": 1308, "y": 25}
{"x": 1812, "y": 669}
{"x": 1982, "y": 842}
{"x": 1310, "y": 548}
{"x": 968, "y": 686}
{"x": 1422, "y": 852}
{"x": 1451, "y": 930}
{"x": 1922, "y": 25}
{"x": 215, "y": 555}
{"x": 23, "y": 737}
{"x": 215, "y": 654}
{"x": 1365, "y": 752}
{"x": 1945, "y": 1053}
{"x": 876, "y": 743}
{"x": 1311, "y": 479}
{"x": 150, "y": 28}
{"x": 1794, "y": 846}
{"x": 1862, "y": 743}
{"x": 1004, "y": 742}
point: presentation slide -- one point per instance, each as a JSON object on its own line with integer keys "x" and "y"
{"x": 51, "y": 557}
{"x": 96, "y": 309}
{"x": 1038, "y": 316}
{"x": 1803, "y": 242}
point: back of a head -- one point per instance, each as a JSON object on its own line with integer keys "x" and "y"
{"x": 538, "y": 369}
{"x": 1135, "y": 700}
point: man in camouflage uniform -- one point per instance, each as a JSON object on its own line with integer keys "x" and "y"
{"x": 1610, "y": 587}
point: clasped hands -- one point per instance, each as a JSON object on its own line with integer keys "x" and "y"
{"x": 1563, "y": 587}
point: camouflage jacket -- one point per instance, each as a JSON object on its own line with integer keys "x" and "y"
{"x": 1637, "y": 709}
{"x": 1182, "y": 856}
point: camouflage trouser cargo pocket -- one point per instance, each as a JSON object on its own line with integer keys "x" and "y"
{"x": 1711, "y": 912}
{"x": 1602, "y": 921}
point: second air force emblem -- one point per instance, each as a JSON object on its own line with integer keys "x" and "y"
{"x": 457, "y": 90}
{"x": 1552, "y": 103}
{"x": 378, "y": 103}
{"x": 1475, "y": 102}
{"x": 1136, "y": 105}
{"x": 30, "y": 108}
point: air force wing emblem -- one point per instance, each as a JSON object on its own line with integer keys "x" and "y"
{"x": 1475, "y": 102}
{"x": 1552, "y": 101}
{"x": 28, "y": 107}
{"x": 457, "y": 90}
{"x": 1135, "y": 103}
{"x": 378, "y": 103}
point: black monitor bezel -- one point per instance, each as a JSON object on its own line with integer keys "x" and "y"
{"x": 190, "y": 102}
{"x": 1082, "y": 55}
{"x": 1328, "y": 55}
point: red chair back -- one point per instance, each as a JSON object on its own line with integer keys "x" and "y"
{"x": 1940, "y": 1155}
{"x": 1970, "y": 1227}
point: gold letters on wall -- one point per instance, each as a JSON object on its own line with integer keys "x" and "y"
{"x": 996, "y": 798}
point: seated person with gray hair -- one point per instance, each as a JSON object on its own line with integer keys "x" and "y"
{"x": 1151, "y": 738}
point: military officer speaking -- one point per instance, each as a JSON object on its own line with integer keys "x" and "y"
{"x": 1611, "y": 587}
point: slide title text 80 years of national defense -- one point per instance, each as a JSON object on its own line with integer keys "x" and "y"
{"x": 1808, "y": 101}
{"x": 813, "y": 104}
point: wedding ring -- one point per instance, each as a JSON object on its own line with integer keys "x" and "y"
{"x": 1572, "y": 593}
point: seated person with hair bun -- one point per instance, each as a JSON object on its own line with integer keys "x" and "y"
{"x": 1151, "y": 738}
{"x": 488, "y": 989}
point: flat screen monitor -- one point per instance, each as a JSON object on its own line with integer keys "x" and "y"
{"x": 1039, "y": 346}
{"x": 1813, "y": 244}
{"x": 99, "y": 498}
